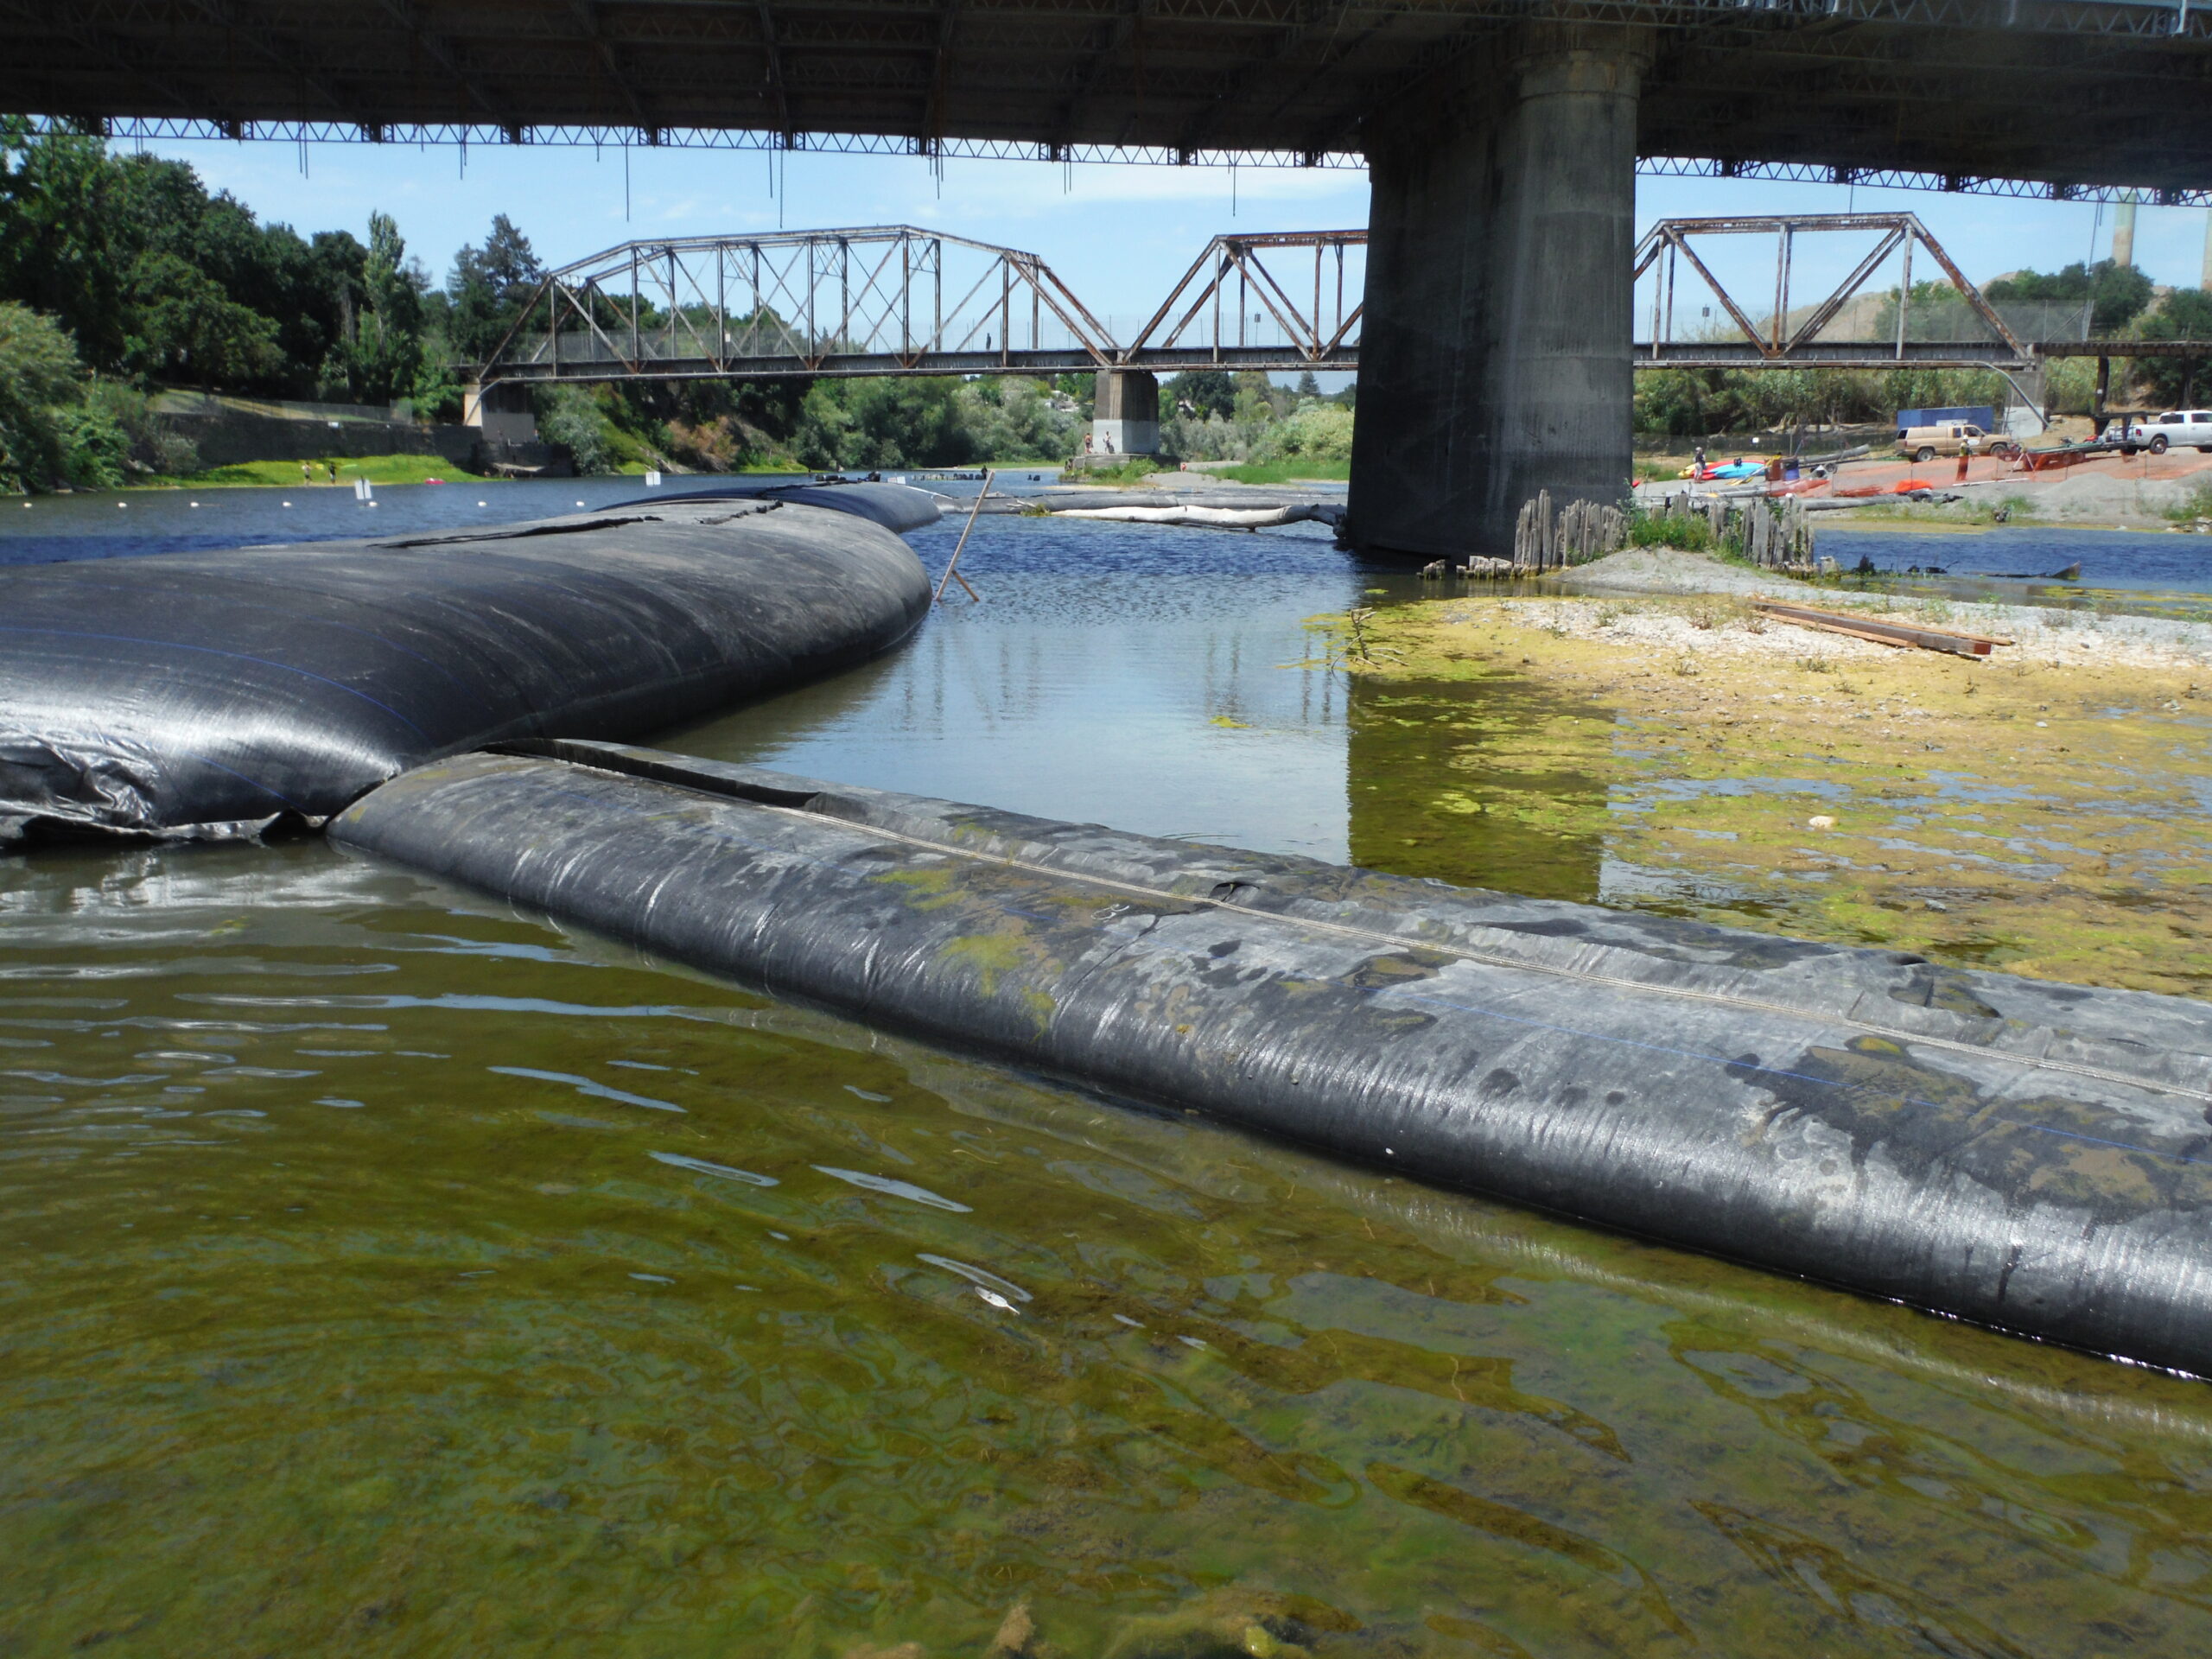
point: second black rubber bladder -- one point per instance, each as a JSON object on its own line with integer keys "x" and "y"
{"x": 2032, "y": 1156}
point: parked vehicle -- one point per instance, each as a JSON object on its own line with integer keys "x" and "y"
{"x": 2175, "y": 428}
{"x": 1947, "y": 438}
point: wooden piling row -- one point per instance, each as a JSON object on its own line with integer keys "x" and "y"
{"x": 1775, "y": 533}
{"x": 1545, "y": 539}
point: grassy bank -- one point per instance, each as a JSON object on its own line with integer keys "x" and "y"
{"x": 1285, "y": 472}
{"x": 2039, "y": 813}
{"x": 266, "y": 474}
{"x": 1129, "y": 472}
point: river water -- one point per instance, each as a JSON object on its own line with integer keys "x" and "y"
{"x": 384, "y": 1270}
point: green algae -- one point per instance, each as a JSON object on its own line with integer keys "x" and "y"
{"x": 391, "y": 1273}
{"x": 2047, "y": 821}
{"x": 1507, "y": 789}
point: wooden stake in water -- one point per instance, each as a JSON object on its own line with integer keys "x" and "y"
{"x": 952, "y": 567}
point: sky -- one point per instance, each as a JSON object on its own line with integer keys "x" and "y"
{"x": 1120, "y": 235}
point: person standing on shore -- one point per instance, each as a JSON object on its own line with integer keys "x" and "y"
{"x": 307, "y": 472}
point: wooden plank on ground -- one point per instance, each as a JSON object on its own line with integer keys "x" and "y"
{"x": 1882, "y": 630}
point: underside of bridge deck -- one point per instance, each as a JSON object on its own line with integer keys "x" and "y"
{"x": 2067, "y": 91}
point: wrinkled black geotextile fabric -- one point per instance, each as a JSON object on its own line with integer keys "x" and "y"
{"x": 2032, "y": 1155}
{"x": 208, "y": 693}
{"x": 898, "y": 507}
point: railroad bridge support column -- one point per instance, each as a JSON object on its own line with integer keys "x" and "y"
{"x": 502, "y": 411}
{"x": 1126, "y": 419}
{"x": 1494, "y": 344}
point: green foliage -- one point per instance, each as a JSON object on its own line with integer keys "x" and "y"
{"x": 871, "y": 425}
{"x": 866, "y": 424}
{"x": 1011, "y": 418}
{"x": 436, "y": 394}
{"x": 1199, "y": 394}
{"x": 152, "y": 446}
{"x": 39, "y": 379}
{"x": 185, "y": 329}
{"x": 1315, "y": 430}
{"x": 2120, "y": 292}
{"x": 54, "y": 427}
{"x": 1285, "y": 471}
{"x": 488, "y": 289}
{"x": 1128, "y": 470}
{"x": 2186, "y": 314}
{"x": 1257, "y": 398}
{"x": 378, "y": 469}
{"x": 381, "y": 358}
{"x": 1686, "y": 531}
{"x": 153, "y": 276}
{"x": 1939, "y": 311}
{"x": 1703, "y": 402}
{"x": 2198, "y": 504}
{"x": 95, "y": 448}
{"x": 1263, "y": 424}
{"x": 568, "y": 415}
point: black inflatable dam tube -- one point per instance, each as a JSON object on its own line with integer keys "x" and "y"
{"x": 209, "y": 693}
{"x": 2029, "y": 1155}
{"x": 899, "y": 507}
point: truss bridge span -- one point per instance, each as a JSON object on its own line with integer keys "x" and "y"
{"x": 895, "y": 300}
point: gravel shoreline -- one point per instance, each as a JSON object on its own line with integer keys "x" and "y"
{"x": 2057, "y": 638}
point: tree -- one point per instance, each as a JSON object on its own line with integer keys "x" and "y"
{"x": 49, "y": 429}
{"x": 1935, "y": 313}
{"x": 488, "y": 287}
{"x": 2116, "y": 295}
{"x": 383, "y": 359}
{"x": 39, "y": 376}
{"x": 2186, "y": 314}
{"x": 853, "y": 424}
{"x": 183, "y": 327}
{"x": 136, "y": 258}
{"x": 1257, "y": 398}
{"x": 569, "y": 416}
{"x": 1202, "y": 393}
{"x": 68, "y": 237}
{"x": 1308, "y": 386}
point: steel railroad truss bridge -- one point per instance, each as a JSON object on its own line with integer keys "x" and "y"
{"x": 894, "y": 299}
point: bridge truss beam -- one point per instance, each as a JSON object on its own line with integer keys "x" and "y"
{"x": 894, "y": 299}
{"x": 1669, "y": 245}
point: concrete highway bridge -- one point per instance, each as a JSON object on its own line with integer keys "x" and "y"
{"x": 1502, "y": 139}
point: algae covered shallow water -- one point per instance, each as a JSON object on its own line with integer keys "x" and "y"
{"x": 383, "y": 1271}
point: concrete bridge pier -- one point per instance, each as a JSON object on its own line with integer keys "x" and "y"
{"x": 1495, "y": 345}
{"x": 502, "y": 411}
{"x": 1126, "y": 418}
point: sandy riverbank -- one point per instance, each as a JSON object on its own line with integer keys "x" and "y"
{"x": 2045, "y": 812}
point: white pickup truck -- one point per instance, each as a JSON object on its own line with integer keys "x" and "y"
{"x": 2175, "y": 430}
